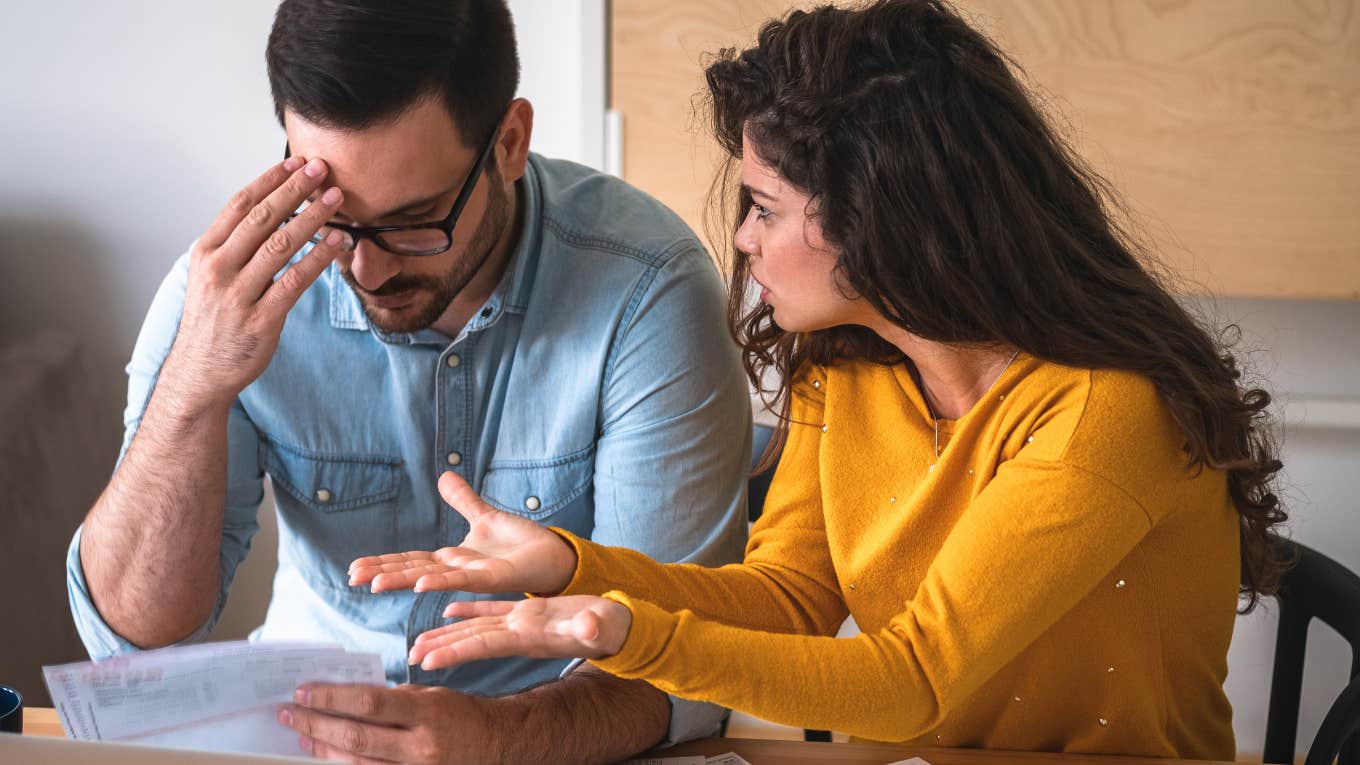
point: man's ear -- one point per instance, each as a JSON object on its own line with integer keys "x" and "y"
{"x": 512, "y": 145}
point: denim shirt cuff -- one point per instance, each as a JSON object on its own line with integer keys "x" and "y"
{"x": 101, "y": 641}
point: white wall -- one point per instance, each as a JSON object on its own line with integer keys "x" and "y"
{"x": 125, "y": 127}
{"x": 1309, "y": 352}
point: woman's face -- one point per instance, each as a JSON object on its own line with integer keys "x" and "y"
{"x": 790, "y": 260}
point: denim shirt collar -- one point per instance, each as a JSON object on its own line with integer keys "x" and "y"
{"x": 511, "y": 294}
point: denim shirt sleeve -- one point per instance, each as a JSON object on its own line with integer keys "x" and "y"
{"x": 245, "y": 486}
{"x": 675, "y": 440}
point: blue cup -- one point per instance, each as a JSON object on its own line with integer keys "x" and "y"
{"x": 11, "y": 710}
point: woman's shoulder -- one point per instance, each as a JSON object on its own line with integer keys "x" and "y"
{"x": 1103, "y": 398}
{"x": 1121, "y": 428}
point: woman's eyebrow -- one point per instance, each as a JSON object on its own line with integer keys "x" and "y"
{"x": 755, "y": 192}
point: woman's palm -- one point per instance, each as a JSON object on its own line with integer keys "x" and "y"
{"x": 501, "y": 553}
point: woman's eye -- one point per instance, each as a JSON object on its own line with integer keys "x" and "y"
{"x": 761, "y": 212}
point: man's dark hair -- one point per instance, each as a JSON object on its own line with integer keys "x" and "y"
{"x": 351, "y": 64}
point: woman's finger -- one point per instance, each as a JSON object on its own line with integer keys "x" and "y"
{"x": 471, "y": 609}
{"x": 454, "y": 634}
{"x": 465, "y": 579}
{"x": 407, "y": 578}
{"x": 483, "y": 645}
{"x": 379, "y": 561}
{"x": 459, "y": 494}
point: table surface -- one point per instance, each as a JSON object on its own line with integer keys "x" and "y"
{"x": 42, "y": 721}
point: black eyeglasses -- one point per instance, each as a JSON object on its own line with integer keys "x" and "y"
{"x": 416, "y": 240}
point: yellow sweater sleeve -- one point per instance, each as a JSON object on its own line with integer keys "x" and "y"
{"x": 1034, "y": 542}
{"x": 786, "y": 583}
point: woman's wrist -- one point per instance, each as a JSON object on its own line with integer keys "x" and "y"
{"x": 618, "y": 624}
{"x": 563, "y": 562}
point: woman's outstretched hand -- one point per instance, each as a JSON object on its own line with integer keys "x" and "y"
{"x": 583, "y": 626}
{"x": 501, "y": 553}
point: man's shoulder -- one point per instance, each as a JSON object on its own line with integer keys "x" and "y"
{"x": 584, "y": 209}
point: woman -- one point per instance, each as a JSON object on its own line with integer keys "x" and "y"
{"x": 1032, "y": 479}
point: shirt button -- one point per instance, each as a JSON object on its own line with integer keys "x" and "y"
{"x": 532, "y": 503}
{"x": 453, "y": 360}
{"x": 454, "y": 458}
{"x": 323, "y": 495}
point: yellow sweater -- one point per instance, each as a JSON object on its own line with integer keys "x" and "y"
{"x": 1057, "y": 580}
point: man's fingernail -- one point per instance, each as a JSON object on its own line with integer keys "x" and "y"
{"x": 305, "y": 743}
{"x": 332, "y": 196}
{"x": 292, "y": 164}
{"x": 286, "y": 717}
{"x": 301, "y": 696}
{"x": 315, "y": 168}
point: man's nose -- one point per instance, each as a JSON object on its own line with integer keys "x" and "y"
{"x": 372, "y": 266}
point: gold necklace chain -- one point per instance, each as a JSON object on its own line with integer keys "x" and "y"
{"x": 935, "y": 420}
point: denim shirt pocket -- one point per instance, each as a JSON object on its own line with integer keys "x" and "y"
{"x": 339, "y": 506}
{"x": 540, "y": 489}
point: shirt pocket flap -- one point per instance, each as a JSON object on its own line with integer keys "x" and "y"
{"x": 333, "y": 482}
{"x": 540, "y": 488}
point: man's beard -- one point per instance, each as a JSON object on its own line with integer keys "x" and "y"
{"x": 434, "y": 293}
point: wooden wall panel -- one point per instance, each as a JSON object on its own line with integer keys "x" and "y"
{"x": 1232, "y": 127}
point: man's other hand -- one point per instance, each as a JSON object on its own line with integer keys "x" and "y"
{"x": 416, "y": 724}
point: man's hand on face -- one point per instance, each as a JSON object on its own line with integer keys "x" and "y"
{"x": 410, "y": 724}
{"x": 234, "y": 307}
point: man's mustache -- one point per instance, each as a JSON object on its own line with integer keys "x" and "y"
{"x": 394, "y": 286}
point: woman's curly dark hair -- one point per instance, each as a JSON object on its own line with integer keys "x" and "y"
{"x": 962, "y": 216}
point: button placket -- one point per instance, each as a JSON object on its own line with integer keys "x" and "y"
{"x": 456, "y": 406}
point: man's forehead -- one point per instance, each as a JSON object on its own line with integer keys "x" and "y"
{"x": 383, "y": 167}
{"x": 426, "y": 129}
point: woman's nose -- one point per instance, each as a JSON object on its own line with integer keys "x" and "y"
{"x": 745, "y": 239}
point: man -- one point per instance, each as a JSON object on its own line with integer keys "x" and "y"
{"x": 548, "y": 333}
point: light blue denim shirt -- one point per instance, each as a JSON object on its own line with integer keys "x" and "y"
{"x": 597, "y": 390}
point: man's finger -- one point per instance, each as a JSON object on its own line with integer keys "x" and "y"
{"x": 360, "y": 738}
{"x": 283, "y": 294}
{"x": 373, "y": 703}
{"x": 322, "y": 751}
{"x": 264, "y": 218}
{"x": 283, "y": 243}
{"x": 242, "y": 201}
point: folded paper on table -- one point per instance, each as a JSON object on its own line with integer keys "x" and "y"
{"x": 219, "y": 697}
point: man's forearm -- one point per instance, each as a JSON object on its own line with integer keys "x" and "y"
{"x": 149, "y": 546}
{"x": 588, "y": 716}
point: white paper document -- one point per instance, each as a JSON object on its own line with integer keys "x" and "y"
{"x": 213, "y": 696}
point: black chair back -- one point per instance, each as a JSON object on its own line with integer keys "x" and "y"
{"x": 1316, "y": 587}
{"x": 759, "y": 483}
